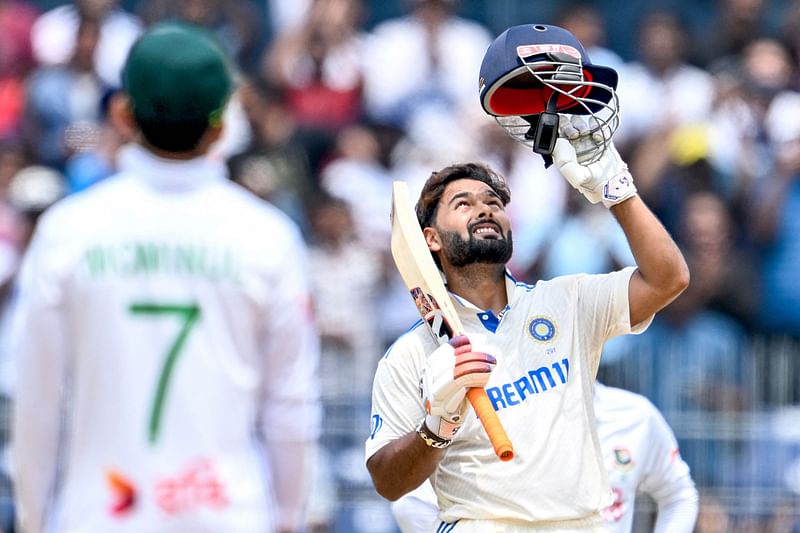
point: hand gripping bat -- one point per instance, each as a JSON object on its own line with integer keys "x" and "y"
{"x": 423, "y": 280}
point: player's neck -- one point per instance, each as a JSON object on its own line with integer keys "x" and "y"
{"x": 175, "y": 156}
{"x": 481, "y": 284}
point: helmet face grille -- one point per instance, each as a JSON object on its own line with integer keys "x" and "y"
{"x": 592, "y": 144}
{"x": 562, "y": 77}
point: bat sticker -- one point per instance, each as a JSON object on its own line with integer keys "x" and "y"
{"x": 432, "y": 314}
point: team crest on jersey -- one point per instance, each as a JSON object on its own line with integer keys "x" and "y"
{"x": 623, "y": 459}
{"x": 542, "y": 329}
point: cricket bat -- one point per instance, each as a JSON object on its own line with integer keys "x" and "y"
{"x": 422, "y": 278}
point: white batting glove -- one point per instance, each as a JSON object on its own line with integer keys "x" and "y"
{"x": 450, "y": 370}
{"x": 607, "y": 180}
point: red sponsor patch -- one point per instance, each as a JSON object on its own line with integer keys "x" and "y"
{"x": 196, "y": 486}
{"x": 615, "y": 511}
{"x": 123, "y": 493}
{"x": 528, "y": 50}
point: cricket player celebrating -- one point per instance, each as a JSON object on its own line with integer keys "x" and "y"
{"x": 535, "y": 349}
{"x": 167, "y": 357}
{"x": 641, "y": 455}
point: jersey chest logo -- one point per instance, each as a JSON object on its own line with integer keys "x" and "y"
{"x": 542, "y": 329}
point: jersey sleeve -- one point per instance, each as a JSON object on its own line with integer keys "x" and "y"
{"x": 416, "y": 512}
{"x": 604, "y": 310}
{"x": 666, "y": 478}
{"x": 396, "y": 404}
{"x": 291, "y": 409}
{"x": 40, "y": 348}
{"x": 603, "y": 302}
{"x": 291, "y": 412}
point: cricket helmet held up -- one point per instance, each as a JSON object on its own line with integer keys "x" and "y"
{"x": 533, "y": 72}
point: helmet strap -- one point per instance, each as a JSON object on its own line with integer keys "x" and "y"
{"x": 544, "y": 130}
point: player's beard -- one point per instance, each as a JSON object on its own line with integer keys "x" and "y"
{"x": 460, "y": 252}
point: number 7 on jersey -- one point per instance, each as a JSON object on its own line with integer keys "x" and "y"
{"x": 189, "y": 314}
{"x": 423, "y": 280}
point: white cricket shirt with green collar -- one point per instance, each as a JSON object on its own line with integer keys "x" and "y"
{"x": 167, "y": 344}
{"x": 548, "y": 344}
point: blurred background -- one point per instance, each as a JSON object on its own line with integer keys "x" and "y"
{"x": 337, "y": 98}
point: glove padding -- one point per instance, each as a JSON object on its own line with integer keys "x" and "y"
{"x": 607, "y": 180}
{"x": 450, "y": 370}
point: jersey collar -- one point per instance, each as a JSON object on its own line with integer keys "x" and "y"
{"x": 169, "y": 174}
{"x": 489, "y": 320}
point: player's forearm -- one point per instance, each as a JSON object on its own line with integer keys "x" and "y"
{"x": 402, "y": 465}
{"x": 660, "y": 263}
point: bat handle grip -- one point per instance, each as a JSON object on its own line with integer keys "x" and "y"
{"x": 491, "y": 423}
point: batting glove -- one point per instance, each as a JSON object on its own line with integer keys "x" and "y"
{"x": 450, "y": 370}
{"x": 607, "y": 180}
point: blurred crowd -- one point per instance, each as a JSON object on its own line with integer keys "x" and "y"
{"x": 329, "y": 111}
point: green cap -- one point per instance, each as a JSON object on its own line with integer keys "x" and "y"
{"x": 175, "y": 74}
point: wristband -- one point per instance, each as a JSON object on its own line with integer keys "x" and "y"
{"x": 430, "y": 438}
{"x": 618, "y": 189}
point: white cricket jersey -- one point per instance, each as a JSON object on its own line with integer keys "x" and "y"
{"x": 548, "y": 343}
{"x": 641, "y": 455}
{"x": 167, "y": 311}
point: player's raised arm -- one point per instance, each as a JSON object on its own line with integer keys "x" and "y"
{"x": 566, "y": 109}
{"x": 662, "y": 271}
{"x": 662, "y": 274}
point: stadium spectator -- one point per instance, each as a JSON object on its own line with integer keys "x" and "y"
{"x": 279, "y": 162}
{"x": 318, "y": 66}
{"x": 347, "y": 278}
{"x": 776, "y": 228}
{"x": 237, "y": 24}
{"x": 16, "y": 61}
{"x": 98, "y": 160}
{"x": 357, "y": 175}
{"x": 586, "y": 23}
{"x": 731, "y": 26}
{"x": 55, "y": 35}
{"x": 790, "y": 20}
{"x": 586, "y": 240}
{"x": 435, "y": 57}
{"x": 62, "y": 108}
{"x": 662, "y": 68}
{"x": 721, "y": 268}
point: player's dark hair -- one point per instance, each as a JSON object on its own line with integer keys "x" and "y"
{"x": 176, "y": 137}
{"x": 434, "y": 188}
